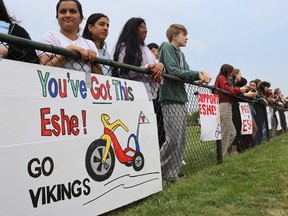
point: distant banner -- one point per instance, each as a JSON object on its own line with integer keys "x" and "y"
{"x": 269, "y": 111}
{"x": 209, "y": 116}
{"x": 278, "y": 122}
{"x": 68, "y": 148}
{"x": 246, "y": 118}
{"x": 286, "y": 117}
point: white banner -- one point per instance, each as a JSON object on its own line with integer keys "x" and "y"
{"x": 278, "y": 126}
{"x": 246, "y": 118}
{"x": 286, "y": 117}
{"x": 269, "y": 111}
{"x": 209, "y": 116}
{"x": 71, "y": 150}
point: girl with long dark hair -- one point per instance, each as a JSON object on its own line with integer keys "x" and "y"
{"x": 96, "y": 30}
{"x": 8, "y": 25}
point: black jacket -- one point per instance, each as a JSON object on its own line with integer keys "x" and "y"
{"x": 20, "y": 53}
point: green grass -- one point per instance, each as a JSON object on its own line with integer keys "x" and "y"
{"x": 198, "y": 155}
{"x": 254, "y": 183}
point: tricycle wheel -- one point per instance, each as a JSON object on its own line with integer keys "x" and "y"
{"x": 138, "y": 161}
{"x": 98, "y": 169}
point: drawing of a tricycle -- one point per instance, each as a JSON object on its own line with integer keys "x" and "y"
{"x": 100, "y": 155}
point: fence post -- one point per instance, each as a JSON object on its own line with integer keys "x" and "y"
{"x": 283, "y": 120}
{"x": 219, "y": 151}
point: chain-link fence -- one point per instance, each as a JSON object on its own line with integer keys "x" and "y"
{"x": 178, "y": 124}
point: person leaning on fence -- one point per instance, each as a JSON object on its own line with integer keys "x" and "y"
{"x": 240, "y": 142}
{"x": 235, "y": 77}
{"x": 70, "y": 15}
{"x": 8, "y": 25}
{"x": 279, "y": 99}
{"x": 286, "y": 103}
{"x": 257, "y": 81}
{"x": 245, "y": 141}
{"x": 131, "y": 49}
{"x": 228, "y": 131}
{"x": 278, "y": 103}
{"x": 157, "y": 107}
{"x": 252, "y": 85}
{"x": 173, "y": 98}
{"x": 96, "y": 30}
{"x": 260, "y": 109}
{"x": 154, "y": 49}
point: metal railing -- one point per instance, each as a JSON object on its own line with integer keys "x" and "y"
{"x": 198, "y": 154}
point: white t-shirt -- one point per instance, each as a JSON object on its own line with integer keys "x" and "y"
{"x": 147, "y": 58}
{"x": 58, "y": 39}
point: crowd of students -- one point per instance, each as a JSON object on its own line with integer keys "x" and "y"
{"x": 169, "y": 96}
{"x": 261, "y": 96}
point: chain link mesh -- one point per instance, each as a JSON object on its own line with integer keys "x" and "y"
{"x": 190, "y": 155}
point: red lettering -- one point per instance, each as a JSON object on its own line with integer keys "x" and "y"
{"x": 62, "y": 92}
{"x": 94, "y": 92}
{"x": 249, "y": 125}
{"x": 65, "y": 121}
{"x": 210, "y": 99}
{"x": 244, "y": 109}
{"x": 45, "y": 122}
{"x": 108, "y": 90}
{"x": 209, "y": 110}
{"x": 102, "y": 91}
{"x": 61, "y": 125}
{"x": 246, "y": 125}
{"x": 202, "y": 109}
{"x": 57, "y": 128}
{"x": 213, "y": 110}
{"x": 200, "y": 98}
{"x": 74, "y": 125}
{"x": 205, "y": 109}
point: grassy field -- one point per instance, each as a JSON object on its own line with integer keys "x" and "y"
{"x": 198, "y": 155}
{"x": 254, "y": 183}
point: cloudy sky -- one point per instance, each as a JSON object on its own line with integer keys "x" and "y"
{"x": 249, "y": 34}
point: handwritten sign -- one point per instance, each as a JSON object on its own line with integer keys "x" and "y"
{"x": 209, "y": 116}
{"x": 68, "y": 148}
{"x": 246, "y": 118}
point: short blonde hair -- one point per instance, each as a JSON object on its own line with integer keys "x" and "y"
{"x": 175, "y": 29}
